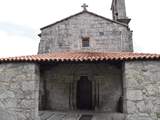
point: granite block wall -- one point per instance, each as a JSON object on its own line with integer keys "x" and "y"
{"x": 19, "y": 89}
{"x": 104, "y": 35}
{"x": 142, "y": 86}
{"x": 59, "y": 85}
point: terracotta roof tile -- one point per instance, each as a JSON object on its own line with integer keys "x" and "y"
{"x": 83, "y": 56}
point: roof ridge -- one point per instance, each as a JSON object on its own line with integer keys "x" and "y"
{"x": 82, "y": 13}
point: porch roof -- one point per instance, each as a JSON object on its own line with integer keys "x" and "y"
{"x": 83, "y": 56}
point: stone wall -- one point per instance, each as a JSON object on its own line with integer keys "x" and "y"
{"x": 104, "y": 35}
{"x": 142, "y": 86}
{"x": 19, "y": 89}
{"x": 60, "y": 82}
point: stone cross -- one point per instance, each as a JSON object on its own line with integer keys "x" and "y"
{"x": 84, "y": 6}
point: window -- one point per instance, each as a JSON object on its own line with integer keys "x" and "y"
{"x": 101, "y": 33}
{"x": 85, "y": 41}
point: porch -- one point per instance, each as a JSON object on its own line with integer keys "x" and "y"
{"x": 81, "y": 86}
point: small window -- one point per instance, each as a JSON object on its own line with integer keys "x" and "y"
{"x": 101, "y": 33}
{"x": 85, "y": 41}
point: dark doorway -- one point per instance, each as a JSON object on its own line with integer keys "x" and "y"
{"x": 84, "y": 94}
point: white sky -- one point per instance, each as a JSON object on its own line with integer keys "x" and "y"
{"x": 20, "y": 21}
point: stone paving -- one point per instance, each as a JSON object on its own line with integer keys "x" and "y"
{"x": 53, "y": 115}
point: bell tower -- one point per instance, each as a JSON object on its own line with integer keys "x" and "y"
{"x": 119, "y": 11}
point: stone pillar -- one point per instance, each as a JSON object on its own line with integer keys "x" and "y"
{"x": 142, "y": 90}
{"x": 19, "y": 91}
{"x": 74, "y": 92}
{"x": 96, "y": 95}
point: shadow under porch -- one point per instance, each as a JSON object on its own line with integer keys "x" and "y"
{"x": 78, "y": 88}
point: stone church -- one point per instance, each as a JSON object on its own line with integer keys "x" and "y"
{"x": 85, "y": 69}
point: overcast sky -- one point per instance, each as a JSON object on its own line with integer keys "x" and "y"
{"x": 20, "y": 21}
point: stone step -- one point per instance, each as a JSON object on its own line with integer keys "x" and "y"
{"x": 57, "y": 117}
{"x": 72, "y": 117}
{"x": 50, "y": 115}
{"x": 86, "y": 117}
{"x": 114, "y": 116}
{"x": 45, "y": 115}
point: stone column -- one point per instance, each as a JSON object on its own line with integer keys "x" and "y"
{"x": 96, "y": 95}
{"x": 19, "y": 91}
{"x": 74, "y": 90}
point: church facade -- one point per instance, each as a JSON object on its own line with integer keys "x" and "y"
{"x": 85, "y": 69}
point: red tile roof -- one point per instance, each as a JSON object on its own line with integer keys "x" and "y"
{"x": 83, "y": 56}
